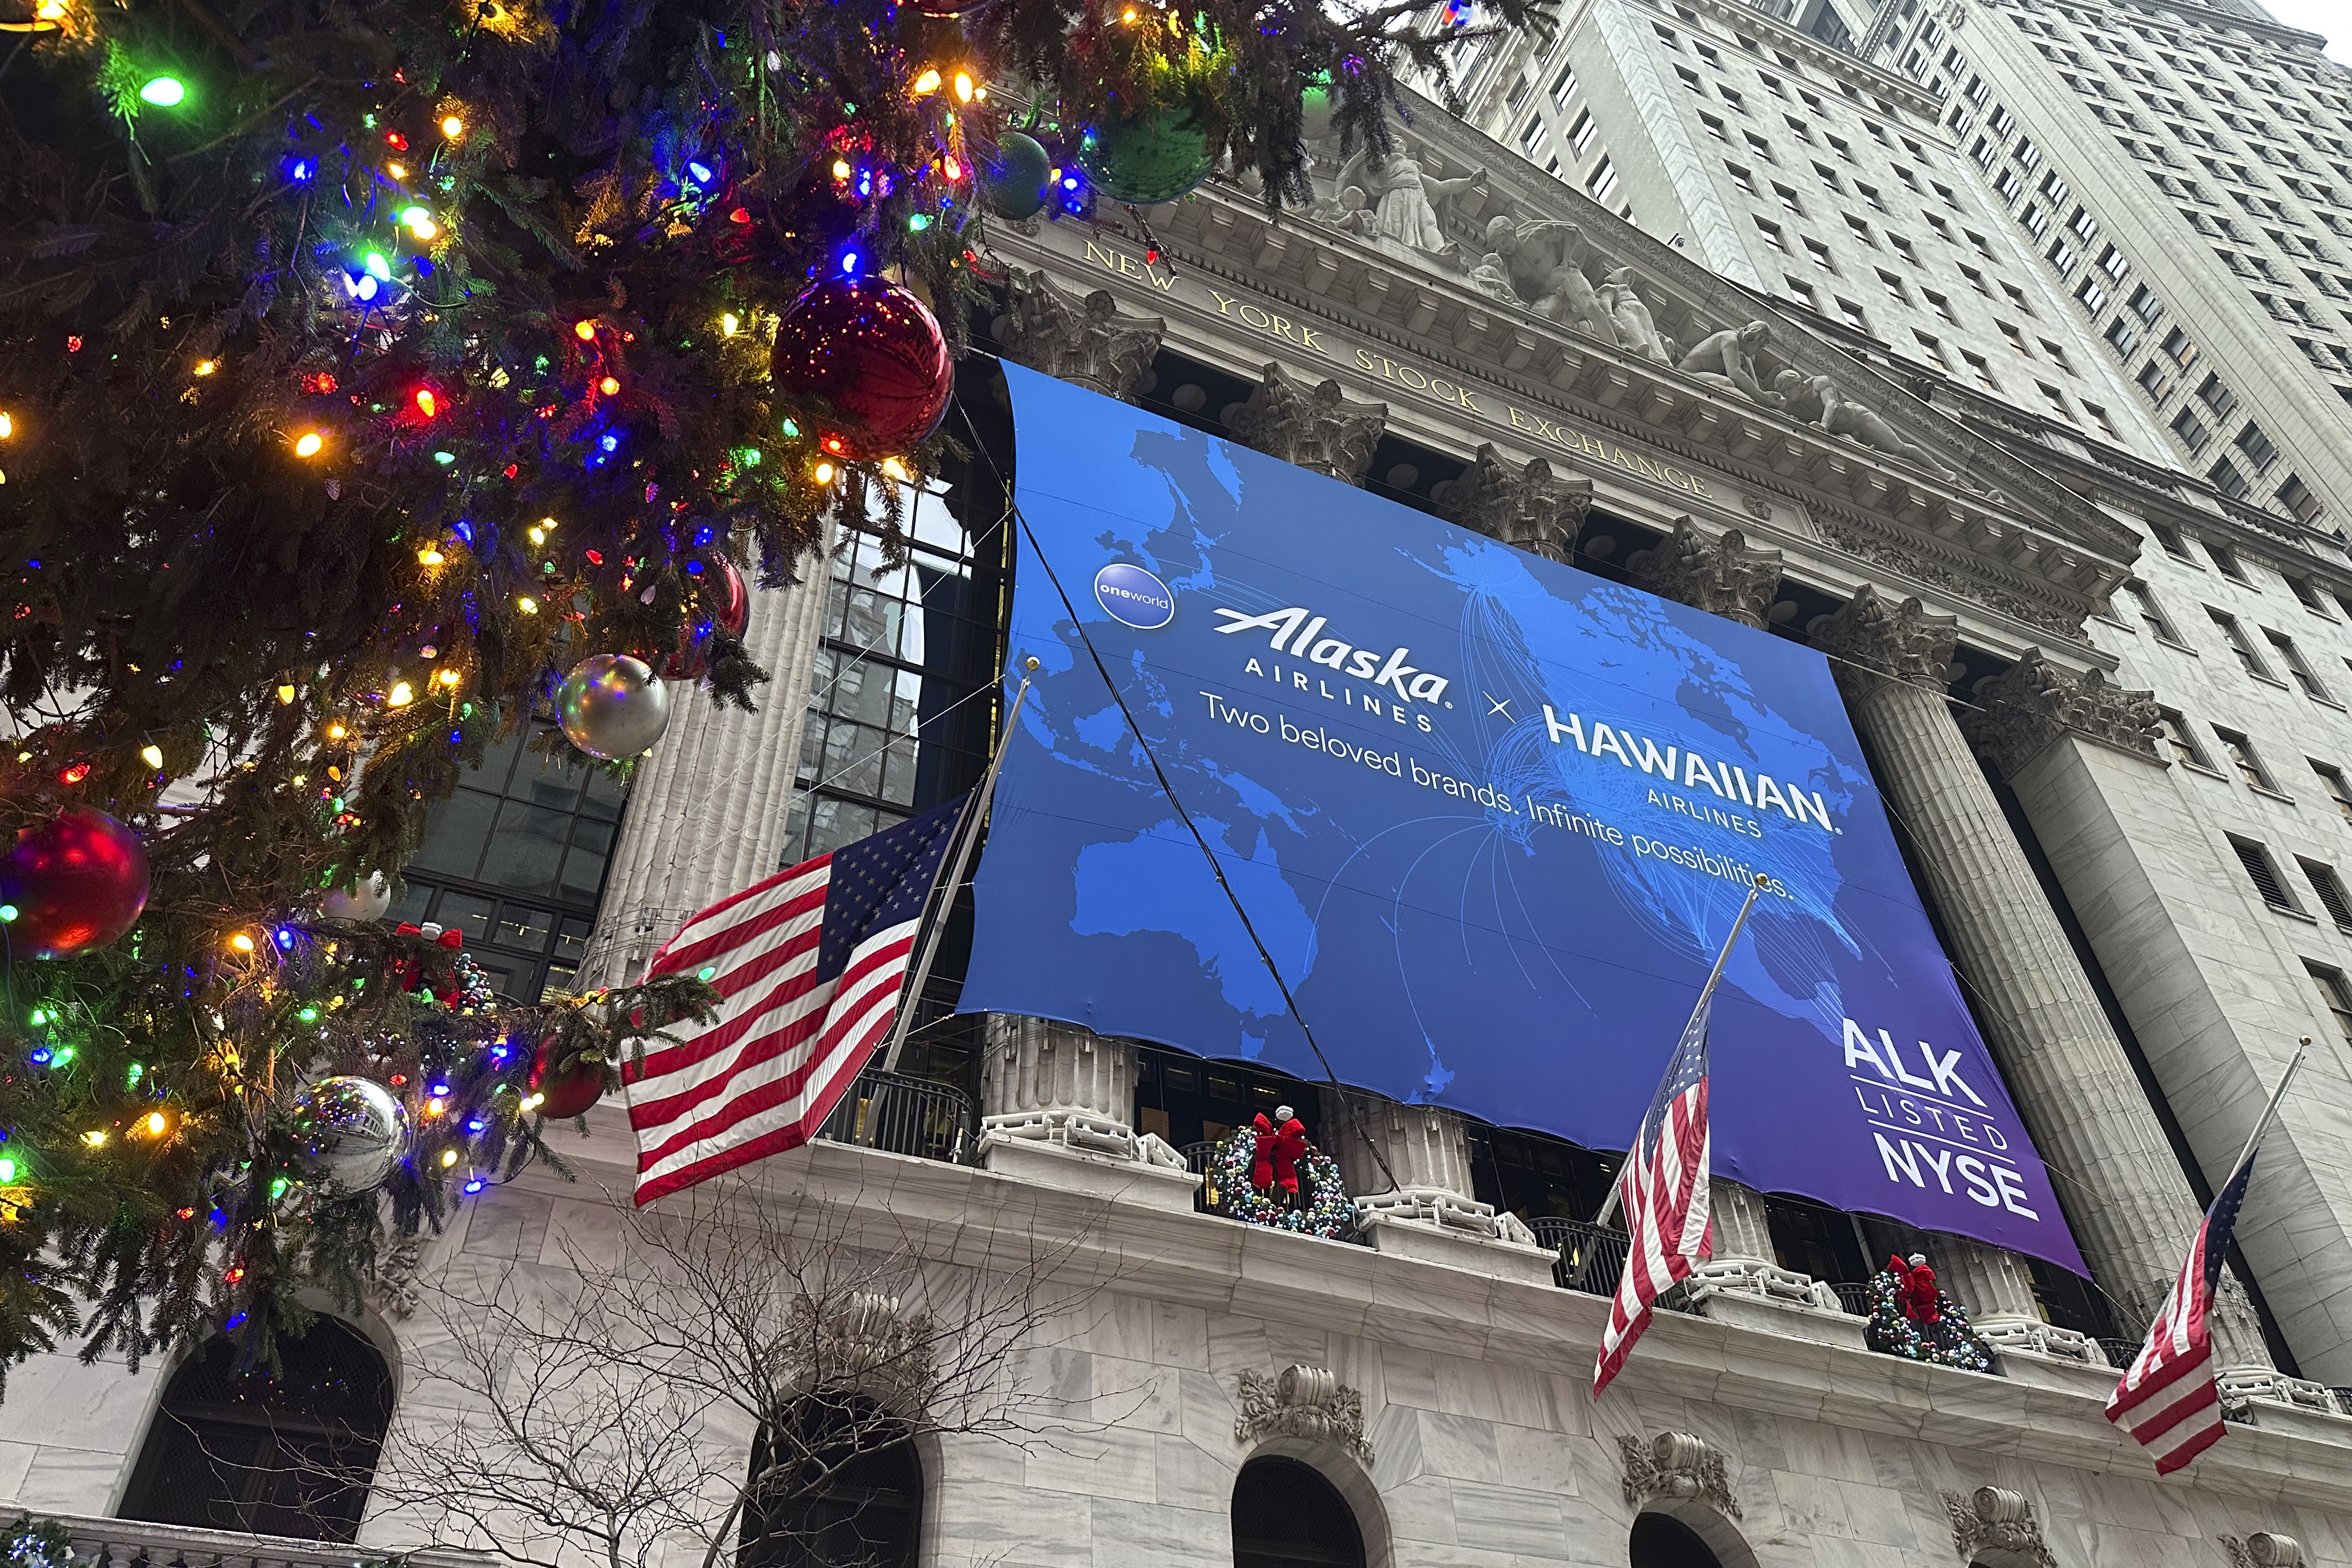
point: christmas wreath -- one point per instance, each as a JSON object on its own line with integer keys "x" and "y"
{"x": 1267, "y": 1174}
{"x": 1911, "y": 1317}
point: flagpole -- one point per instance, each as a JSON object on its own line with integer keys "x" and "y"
{"x": 2271, "y": 1110}
{"x": 943, "y": 896}
{"x": 1609, "y": 1209}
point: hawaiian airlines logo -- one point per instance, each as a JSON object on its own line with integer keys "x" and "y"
{"x": 1134, "y": 597}
{"x": 1298, "y": 632}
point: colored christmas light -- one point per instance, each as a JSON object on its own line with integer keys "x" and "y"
{"x": 164, "y": 91}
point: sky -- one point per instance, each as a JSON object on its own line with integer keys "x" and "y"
{"x": 2331, "y": 18}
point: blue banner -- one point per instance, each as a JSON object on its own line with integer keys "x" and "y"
{"x": 1491, "y": 816}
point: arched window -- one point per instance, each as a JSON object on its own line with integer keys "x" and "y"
{"x": 291, "y": 1455}
{"x": 1661, "y": 1542}
{"x": 835, "y": 1482}
{"x": 1286, "y": 1515}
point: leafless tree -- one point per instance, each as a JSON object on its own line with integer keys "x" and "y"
{"x": 719, "y": 1372}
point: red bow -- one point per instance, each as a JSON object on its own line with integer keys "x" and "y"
{"x": 1274, "y": 1162}
{"x": 1915, "y": 1290}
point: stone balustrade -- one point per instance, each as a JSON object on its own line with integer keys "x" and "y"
{"x": 123, "y": 1542}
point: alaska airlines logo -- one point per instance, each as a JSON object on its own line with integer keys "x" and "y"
{"x": 1298, "y": 632}
{"x": 1134, "y": 597}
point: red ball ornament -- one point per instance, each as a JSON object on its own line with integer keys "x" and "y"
{"x": 731, "y": 613}
{"x": 564, "y": 1094}
{"x": 77, "y": 881}
{"x": 875, "y": 352}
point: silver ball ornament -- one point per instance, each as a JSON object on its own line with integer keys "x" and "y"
{"x": 366, "y": 901}
{"x": 353, "y": 1131}
{"x": 612, "y": 706}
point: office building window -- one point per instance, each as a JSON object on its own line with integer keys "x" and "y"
{"x": 2339, "y": 790}
{"x": 2330, "y": 888}
{"x": 2225, "y": 559}
{"x": 2292, "y": 657}
{"x": 2336, "y": 994}
{"x": 2169, "y": 538}
{"x": 2151, "y": 614}
{"x": 2235, "y": 636}
{"x": 2241, "y": 752}
{"x": 2181, "y": 738}
{"x": 2264, "y": 875}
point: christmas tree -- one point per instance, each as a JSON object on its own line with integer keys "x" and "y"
{"x": 377, "y": 374}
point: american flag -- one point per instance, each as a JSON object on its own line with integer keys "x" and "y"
{"x": 808, "y": 964}
{"x": 2168, "y": 1399}
{"x": 1664, "y": 1192}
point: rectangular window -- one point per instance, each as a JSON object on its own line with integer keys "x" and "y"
{"x": 2151, "y": 614}
{"x": 2169, "y": 538}
{"x": 1580, "y": 134}
{"x": 2292, "y": 657}
{"x": 2106, "y": 426}
{"x": 2225, "y": 559}
{"x": 2306, "y": 595}
{"x": 2263, "y": 874}
{"x": 1773, "y": 236}
{"x": 2057, "y": 356}
{"x": 1860, "y": 231}
{"x": 1789, "y": 199}
{"x": 1828, "y": 176}
{"x": 2338, "y": 788}
{"x": 2330, "y": 888}
{"x": 1853, "y": 313}
{"x": 1803, "y": 292}
{"x": 1940, "y": 305}
{"x": 1977, "y": 281}
{"x": 2336, "y": 994}
{"x": 2191, "y": 429}
{"x": 2241, "y": 752}
{"x": 1531, "y": 142}
{"x": 1820, "y": 254}
{"x": 2235, "y": 636}
{"x": 1932, "y": 349}
{"x": 2057, "y": 401}
{"x": 1603, "y": 180}
{"x": 1563, "y": 86}
{"x": 1757, "y": 145}
{"x": 1715, "y": 128}
{"x": 1894, "y": 287}
{"x": 2181, "y": 738}
{"x": 1981, "y": 370}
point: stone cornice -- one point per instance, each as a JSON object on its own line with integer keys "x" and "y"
{"x": 979, "y": 1218}
{"x": 1832, "y": 62}
{"x": 1891, "y": 521}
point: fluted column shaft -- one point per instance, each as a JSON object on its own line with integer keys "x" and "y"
{"x": 1040, "y": 1064}
{"x": 1426, "y": 1146}
{"x": 2125, "y": 1198}
{"x": 1742, "y": 1227}
{"x": 707, "y": 810}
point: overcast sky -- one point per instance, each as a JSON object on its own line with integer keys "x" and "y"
{"x": 2331, "y": 18}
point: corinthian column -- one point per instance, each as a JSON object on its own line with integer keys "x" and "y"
{"x": 1319, "y": 427}
{"x": 2116, "y": 1182}
{"x": 706, "y": 809}
{"x": 1081, "y": 340}
{"x": 1723, "y": 575}
{"x": 1529, "y": 507}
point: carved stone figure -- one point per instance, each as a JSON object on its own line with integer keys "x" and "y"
{"x": 1817, "y": 400}
{"x": 1636, "y": 328}
{"x": 1727, "y": 361}
{"x": 1346, "y": 209}
{"x": 1541, "y": 265}
{"x": 1404, "y": 199}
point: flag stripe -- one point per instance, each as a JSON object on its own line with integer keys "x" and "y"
{"x": 808, "y": 966}
{"x": 1664, "y": 1197}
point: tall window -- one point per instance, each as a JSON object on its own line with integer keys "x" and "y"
{"x": 899, "y": 710}
{"x": 2151, "y": 615}
{"x": 2332, "y": 778}
{"x": 515, "y": 860}
{"x": 2263, "y": 873}
{"x": 848, "y": 1488}
{"x": 2241, "y": 752}
{"x": 2330, "y": 888}
{"x": 2292, "y": 657}
{"x": 291, "y": 1455}
{"x": 2336, "y": 994}
{"x": 2235, "y": 636}
{"x": 2181, "y": 738}
{"x": 1663, "y": 1541}
{"x": 1286, "y": 1515}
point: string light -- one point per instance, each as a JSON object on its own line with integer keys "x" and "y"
{"x": 207, "y": 366}
{"x": 400, "y": 696}
{"x": 610, "y": 386}
{"x": 151, "y": 755}
{"x": 586, "y": 331}
{"x": 309, "y": 444}
{"x": 49, "y": 11}
{"x": 95, "y": 1137}
{"x": 429, "y": 556}
{"x": 158, "y": 1123}
{"x": 841, "y": 170}
{"x": 450, "y": 678}
{"x": 448, "y": 1158}
{"x": 164, "y": 92}
{"x": 336, "y": 732}
{"x": 8, "y": 427}
{"x": 823, "y": 473}
{"x": 527, "y": 605}
{"x": 730, "y": 324}
{"x": 241, "y": 942}
{"x": 452, "y": 127}
{"x": 963, "y": 86}
{"x": 426, "y": 403}
{"x": 896, "y": 470}
{"x": 927, "y": 83}
{"x": 7, "y": 1171}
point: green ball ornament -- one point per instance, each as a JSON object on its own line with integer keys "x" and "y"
{"x": 1317, "y": 105}
{"x": 1013, "y": 184}
{"x": 1147, "y": 159}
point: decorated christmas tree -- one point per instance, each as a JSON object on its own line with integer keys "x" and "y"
{"x": 1911, "y": 1316}
{"x": 375, "y": 375}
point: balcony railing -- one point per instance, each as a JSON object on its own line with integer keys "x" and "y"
{"x": 903, "y": 1115}
{"x": 133, "y": 1543}
{"x": 1591, "y": 1257}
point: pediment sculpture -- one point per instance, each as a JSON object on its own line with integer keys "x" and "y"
{"x": 1541, "y": 264}
{"x": 1727, "y": 361}
{"x": 1403, "y": 196}
{"x": 1818, "y": 400}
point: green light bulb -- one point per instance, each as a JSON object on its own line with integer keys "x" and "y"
{"x": 164, "y": 92}
{"x": 7, "y": 1169}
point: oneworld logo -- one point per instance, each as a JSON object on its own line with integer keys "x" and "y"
{"x": 1134, "y": 597}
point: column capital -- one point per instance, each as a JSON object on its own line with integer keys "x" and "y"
{"x": 1080, "y": 339}
{"x": 1723, "y": 575}
{"x": 1530, "y": 507}
{"x": 2032, "y": 702}
{"x": 1876, "y": 640}
{"x": 1316, "y": 426}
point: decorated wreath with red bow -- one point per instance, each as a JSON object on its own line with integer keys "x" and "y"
{"x": 1911, "y": 1316}
{"x": 1270, "y": 1174}
{"x": 461, "y": 986}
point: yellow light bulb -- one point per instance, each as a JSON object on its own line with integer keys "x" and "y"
{"x": 928, "y": 82}
{"x": 548, "y": 523}
{"x": 429, "y": 556}
{"x": 527, "y": 605}
{"x": 241, "y": 942}
{"x": 397, "y": 171}
{"x": 448, "y": 1158}
{"x": 151, "y": 755}
{"x": 730, "y": 324}
{"x": 207, "y": 366}
{"x": 8, "y": 427}
{"x": 400, "y": 696}
{"x": 335, "y": 732}
{"x": 50, "y": 10}
{"x": 158, "y": 1123}
{"x": 824, "y": 473}
{"x": 286, "y": 696}
{"x": 310, "y": 445}
{"x": 610, "y": 386}
{"x": 841, "y": 170}
{"x": 450, "y": 678}
{"x": 452, "y": 127}
{"x": 423, "y": 228}
{"x": 539, "y": 536}
{"x": 963, "y": 86}
{"x": 586, "y": 331}
{"x": 95, "y": 1137}
{"x": 896, "y": 470}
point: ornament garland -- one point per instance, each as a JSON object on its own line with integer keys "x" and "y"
{"x": 1910, "y": 1316}
{"x": 1318, "y": 1206}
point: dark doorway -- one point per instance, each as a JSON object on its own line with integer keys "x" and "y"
{"x": 848, "y": 1489}
{"x": 291, "y": 1455}
{"x": 1659, "y": 1542}
{"x": 1286, "y": 1515}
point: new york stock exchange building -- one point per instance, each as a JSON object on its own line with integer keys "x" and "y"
{"x": 1445, "y": 603}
